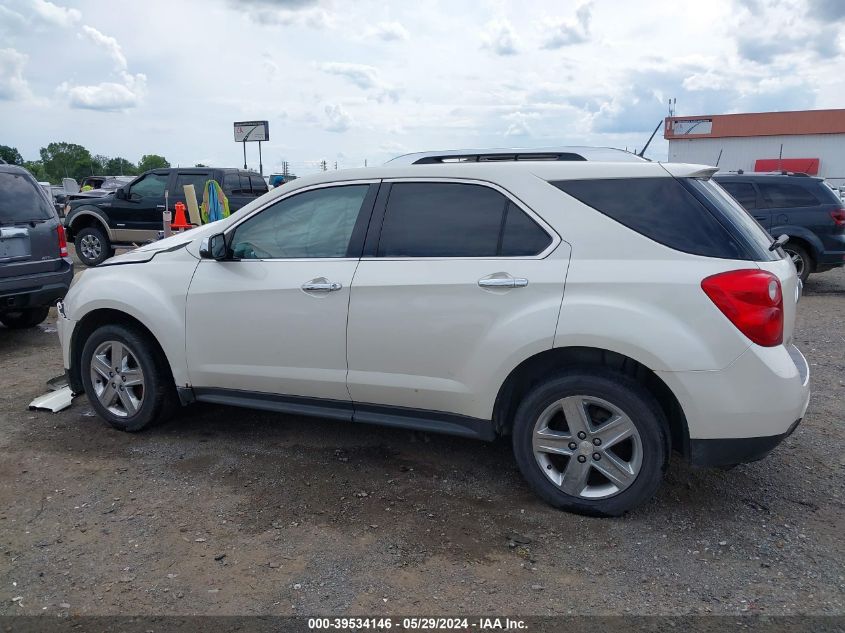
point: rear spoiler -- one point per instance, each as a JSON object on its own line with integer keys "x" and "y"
{"x": 683, "y": 170}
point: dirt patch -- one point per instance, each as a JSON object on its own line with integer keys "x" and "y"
{"x": 228, "y": 511}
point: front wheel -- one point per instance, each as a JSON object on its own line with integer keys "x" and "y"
{"x": 593, "y": 442}
{"x": 126, "y": 378}
{"x": 93, "y": 246}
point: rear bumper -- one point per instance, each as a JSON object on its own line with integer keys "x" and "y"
{"x": 741, "y": 450}
{"x": 35, "y": 291}
{"x": 742, "y": 412}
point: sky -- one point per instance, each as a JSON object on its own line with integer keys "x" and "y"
{"x": 349, "y": 82}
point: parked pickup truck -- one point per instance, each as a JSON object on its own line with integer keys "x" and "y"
{"x": 132, "y": 214}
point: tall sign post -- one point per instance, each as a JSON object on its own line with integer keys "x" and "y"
{"x": 251, "y": 131}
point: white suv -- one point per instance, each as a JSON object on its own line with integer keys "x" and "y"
{"x": 600, "y": 314}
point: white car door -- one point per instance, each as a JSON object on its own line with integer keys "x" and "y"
{"x": 464, "y": 283}
{"x": 271, "y": 319}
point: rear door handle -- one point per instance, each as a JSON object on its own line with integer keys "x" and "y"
{"x": 321, "y": 286}
{"x": 503, "y": 282}
{"x": 160, "y": 206}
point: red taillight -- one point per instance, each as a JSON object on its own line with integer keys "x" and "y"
{"x": 62, "y": 241}
{"x": 752, "y": 301}
{"x": 838, "y": 217}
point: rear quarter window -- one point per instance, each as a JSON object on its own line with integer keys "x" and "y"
{"x": 778, "y": 195}
{"x": 666, "y": 211}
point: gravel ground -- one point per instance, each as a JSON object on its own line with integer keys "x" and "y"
{"x": 229, "y": 511}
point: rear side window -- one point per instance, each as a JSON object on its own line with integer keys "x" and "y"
{"x": 744, "y": 192}
{"x": 21, "y": 200}
{"x": 661, "y": 209}
{"x": 198, "y": 180}
{"x": 456, "y": 220}
{"x": 785, "y": 196}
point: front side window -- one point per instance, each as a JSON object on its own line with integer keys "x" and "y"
{"x": 150, "y": 186}
{"x": 785, "y": 196}
{"x": 436, "y": 219}
{"x": 317, "y": 223}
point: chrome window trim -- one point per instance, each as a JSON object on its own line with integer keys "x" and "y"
{"x": 556, "y": 239}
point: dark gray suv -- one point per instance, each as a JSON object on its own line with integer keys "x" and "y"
{"x": 802, "y": 207}
{"x": 35, "y": 269}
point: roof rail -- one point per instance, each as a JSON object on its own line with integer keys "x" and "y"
{"x": 573, "y": 153}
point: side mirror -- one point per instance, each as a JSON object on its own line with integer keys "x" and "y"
{"x": 120, "y": 194}
{"x": 213, "y": 247}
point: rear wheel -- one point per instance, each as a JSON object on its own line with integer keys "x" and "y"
{"x": 24, "y": 318}
{"x": 801, "y": 258}
{"x": 593, "y": 442}
{"x": 126, "y": 378}
{"x": 93, "y": 246}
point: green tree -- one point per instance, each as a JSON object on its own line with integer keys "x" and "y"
{"x": 200, "y": 165}
{"x": 152, "y": 161}
{"x": 36, "y": 168}
{"x": 69, "y": 160}
{"x": 11, "y": 155}
{"x": 119, "y": 166}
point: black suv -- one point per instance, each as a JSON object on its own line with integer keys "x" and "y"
{"x": 802, "y": 207}
{"x": 35, "y": 270}
{"x": 132, "y": 214}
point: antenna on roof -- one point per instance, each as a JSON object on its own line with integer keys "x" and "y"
{"x": 645, "y": 147}
{"x": 720, "y": 156}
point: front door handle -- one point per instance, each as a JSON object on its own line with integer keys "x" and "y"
{"x": 321, "y": 286}
{"x": 503, "y": 282}
{"x": 160, "y": 206}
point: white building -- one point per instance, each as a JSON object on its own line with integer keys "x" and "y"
{"x": 809, "y": 141}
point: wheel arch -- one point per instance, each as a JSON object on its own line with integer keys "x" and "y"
{"x": 802, "y": 237}
{"x": 83, "y": 218}
{"x": 89, "y": 324}
{"x": 533, "y": 369}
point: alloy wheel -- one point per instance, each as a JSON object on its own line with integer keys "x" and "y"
{"x": 587, "y": 447}
{"x": 90, "y": 247}
{"x": 117, "y": 378}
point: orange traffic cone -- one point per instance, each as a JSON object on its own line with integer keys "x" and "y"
{"x": 180, "y": 222}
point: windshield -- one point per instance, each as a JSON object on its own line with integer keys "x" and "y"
{"x": 22, "y": 200}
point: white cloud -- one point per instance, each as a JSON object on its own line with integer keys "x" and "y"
{"x": 108, "y": 96}
{"x": 337, "y": 119}
{"x": 365, "y": 77}
{"x": 519, "y": 123}
{"x": 389, "y": 32}
{"x": 560, "y": 33}
{"x": 13, "y": 85}
{"x": 108, "y": 43}
{"x": 53, "y": 14}
{"x": 500, "y": 37}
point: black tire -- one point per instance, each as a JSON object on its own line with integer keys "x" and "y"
{"x": 802, "y": 259}
{"x": 623, "y": 393}
{"x": 24, "y": 318}
{"x": 159, "y": 400}
{"x": 92, "y": 246}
